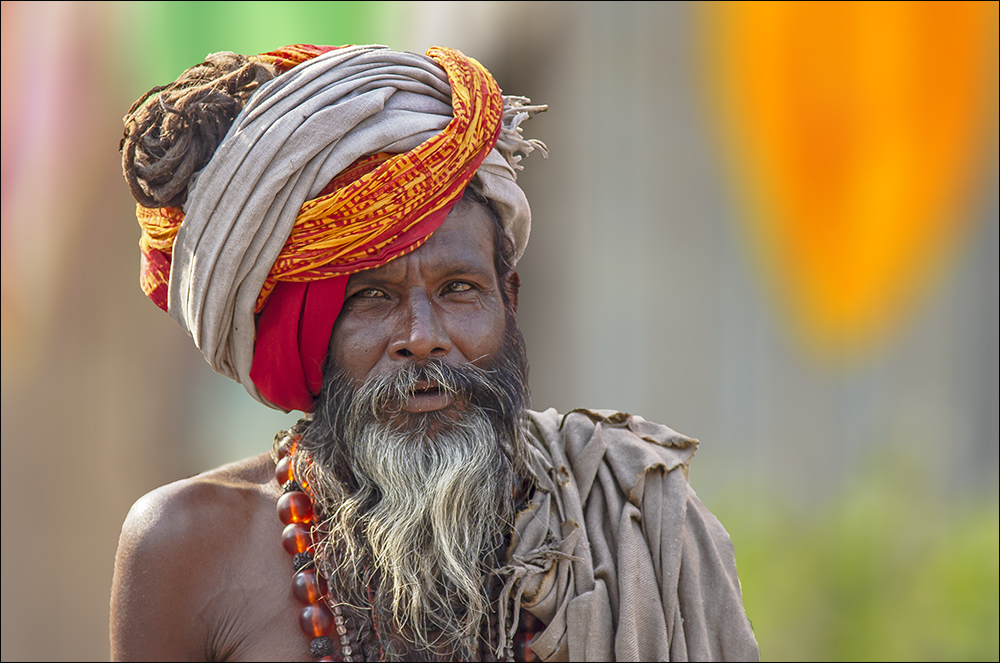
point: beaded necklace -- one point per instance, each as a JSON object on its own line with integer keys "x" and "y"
{"x": 335, "y": 635}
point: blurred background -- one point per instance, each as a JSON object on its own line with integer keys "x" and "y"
{"x": 772, "y": 226}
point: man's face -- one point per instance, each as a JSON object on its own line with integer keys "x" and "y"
{"x": 441, "y": 302}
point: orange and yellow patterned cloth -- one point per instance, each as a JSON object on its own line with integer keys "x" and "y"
{"x": 384, "y": 204}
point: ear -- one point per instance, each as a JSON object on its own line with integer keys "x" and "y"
{"x": 512, "y": 285}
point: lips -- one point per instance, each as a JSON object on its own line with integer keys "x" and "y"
{"x": 427, "y": 396}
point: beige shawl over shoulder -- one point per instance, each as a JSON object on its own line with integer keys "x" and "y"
{"x": 616, "y": 554}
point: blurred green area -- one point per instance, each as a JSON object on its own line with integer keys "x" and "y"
{"x": 888, "y": 570}
{"x": 199, "y": 28}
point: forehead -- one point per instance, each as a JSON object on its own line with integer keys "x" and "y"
{"x": 465, "y": 240}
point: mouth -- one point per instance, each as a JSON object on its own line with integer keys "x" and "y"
{"x": 427, "y": 396}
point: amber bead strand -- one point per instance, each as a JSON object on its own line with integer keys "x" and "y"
{"x": 316, "y": 619}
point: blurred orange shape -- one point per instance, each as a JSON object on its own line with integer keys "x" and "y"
{"x": 856, "y": 132}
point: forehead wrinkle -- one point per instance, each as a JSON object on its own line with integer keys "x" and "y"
{"x": 437, "y": 258}
{"x": 472, "y": 226}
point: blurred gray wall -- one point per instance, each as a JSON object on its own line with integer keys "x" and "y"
{"x": 639, "y": 294}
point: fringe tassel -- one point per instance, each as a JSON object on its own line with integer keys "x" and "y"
{"x": 515, "y": 111}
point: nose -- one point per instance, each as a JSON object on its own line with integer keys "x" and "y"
{"x": 422, "y": 334}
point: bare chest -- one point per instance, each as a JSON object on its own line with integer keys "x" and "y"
{"x": 253, "y": 615}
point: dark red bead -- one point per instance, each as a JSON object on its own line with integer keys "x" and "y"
{"x": 296, "y": 538}
{"x": 295, "y": 507}
{"x": 308, "y": 586}
{"x": 316, "y": 619}
{"x": 283, "y": 470}
{"x": 529, "y": 626}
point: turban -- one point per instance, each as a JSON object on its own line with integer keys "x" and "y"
{"x": 350, "y": 158}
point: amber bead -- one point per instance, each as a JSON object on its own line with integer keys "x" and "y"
{"x": 295, "y": 507}
{"x": 316, "y": 619}
{"x": 296, "y": 538}
{"x": 283, "y": 470}
{"x": 308, "y": 586}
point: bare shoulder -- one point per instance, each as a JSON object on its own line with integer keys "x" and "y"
{"x": 182, "y": 548}
{"x": 240, "y": 480}
{"x": 196, "y": 510}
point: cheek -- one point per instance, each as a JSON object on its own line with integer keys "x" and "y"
{"x": 356, "y": 349}
{"x": 481, "y": 336}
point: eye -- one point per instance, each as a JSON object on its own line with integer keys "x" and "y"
{"x": 458, "y": 286}
{"x": 369, "y": 293}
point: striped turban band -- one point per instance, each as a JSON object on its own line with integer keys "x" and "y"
{"x": 351, "y": 157}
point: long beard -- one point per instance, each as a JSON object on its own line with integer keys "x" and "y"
{"x": 417, "y": 506}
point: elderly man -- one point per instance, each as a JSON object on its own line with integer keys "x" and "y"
{"x": 337, "y": 229}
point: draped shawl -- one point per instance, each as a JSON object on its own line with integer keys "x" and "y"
{"x": 616, "y": 553}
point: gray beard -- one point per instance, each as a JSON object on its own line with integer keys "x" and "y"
{"x": 417, "y": 507}
{"x": 445, "y": 504}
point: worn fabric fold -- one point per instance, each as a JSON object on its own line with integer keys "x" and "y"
{"x": 616, "y": 553}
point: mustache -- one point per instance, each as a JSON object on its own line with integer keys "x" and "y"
{"x": 386, "y": 393}
{"x": 381, "y": 397}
